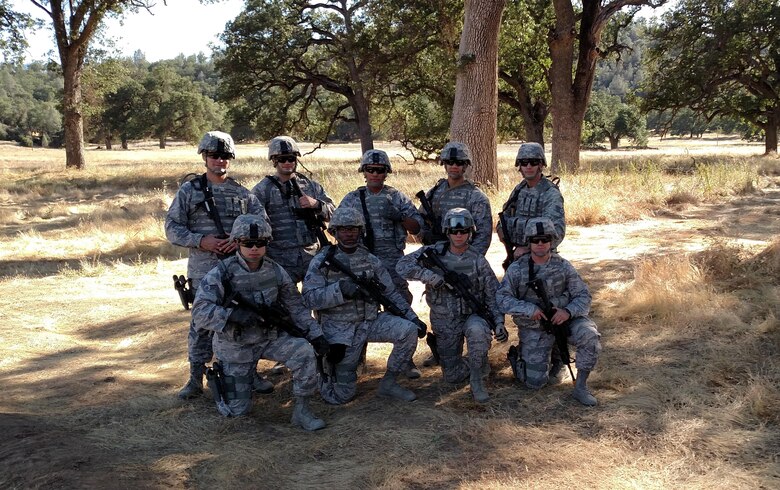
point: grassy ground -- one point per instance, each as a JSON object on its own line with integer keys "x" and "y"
{"x": 678, "y": 244}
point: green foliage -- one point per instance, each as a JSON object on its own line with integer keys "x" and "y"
{"x": 28, "y": 103}
{"x": 608, "y": 117}
{"x": 13, "y": 25}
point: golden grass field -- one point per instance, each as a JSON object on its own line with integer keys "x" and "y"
{"x": 679, "y": 245}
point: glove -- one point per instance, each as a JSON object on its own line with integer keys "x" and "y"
{"x": 321, "y": 346}
{"x": 393, "y": 214}
{"x": 244, "y": 318}
{"x": 437, "y": 282}
{"x": 452, "y": 277}
{"x": 422, "y": 328}
{"x": 348, "y": 288}
{"x": 501, "y": 333}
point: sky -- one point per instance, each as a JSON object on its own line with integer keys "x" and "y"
{"x": 183, "y": 26}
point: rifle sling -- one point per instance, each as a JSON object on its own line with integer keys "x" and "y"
{"x": 369, "y": 238}
{"x": 208, "y": 196}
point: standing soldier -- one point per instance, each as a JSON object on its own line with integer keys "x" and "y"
{"x": 296, "y": 206}
{"x": 460, "y": 287}
{"x": 545, "y": 277}
{"x": 346, "y": 285}
{"x": 455, "y": 192}
{"x": 533, "y": 197}
{"x": 201, "y": 212}
{"x": 256, "y": 312}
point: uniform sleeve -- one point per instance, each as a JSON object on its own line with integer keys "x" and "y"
{"x": 207, "y": 310}
{"x": 177, "y": 219}
{"x": 351, "y": 200}
{"x": 327, "y": 203}
{"x": 390, "y": 291}
{"x": 483, "y": 220}
{"x": 407, "y": 209}
{"x": 489, "y": 289}
{"x": 505, "y": 296}
{"x": 410, "y": 268}
{"x": 318, "y": 293}
{"x": 552, "y": 207}
{"x": 292, "y": 300}
{"x": 579, "y": 294}
{"x": 260, "y": 191}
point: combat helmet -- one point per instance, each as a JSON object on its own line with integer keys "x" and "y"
{"x": 345, "y": 216}
{"x": 458, "y": 219}
{"x": 455, "y": 151}
{"x": 217, "y": 142}
{"x": 540, "y": 227}
{"x": 250, "y": 226}
{"x": 282, "y": 145}
{"x": 530, "y": 151}
{"x": 375, "y": 157}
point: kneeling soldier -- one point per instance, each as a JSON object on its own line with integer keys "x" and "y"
{"x": 346, "y": 285}
{"x": 245, "y": 301}
{"x": 460, "y": 288}
{"x": 545, "y": 277}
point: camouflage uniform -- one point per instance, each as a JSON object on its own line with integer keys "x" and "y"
{"x": 451, "y": 317}
{"x": 239, "y": 352}
{"x": 293, "y": 244}
{"x": 385, "y": 211}
{"x": 566, "y": 289}
{"x": 353, "y": 322}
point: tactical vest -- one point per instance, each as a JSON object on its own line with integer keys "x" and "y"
{"x": 262, "y": 286}
{"x": 287, "y": 230}
{"x": 353, "y": 310}
{"x": 526, "y": 202}
{"x": 386, "y": 232}
{"x": 231, "y": 199}
{"x": 465, "y": 264}
{"x": 443, "y": 198}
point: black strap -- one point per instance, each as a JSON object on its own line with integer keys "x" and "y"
{"x": 285, "y": 191}
{"x": 531, "y": 272}
{"x": 433, "y": 190}
{"x": 211, "y": 205}
{"x": 512, "y": 201}
{"x": 368, "y": 240}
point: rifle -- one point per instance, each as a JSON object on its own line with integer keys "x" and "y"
{"x": 430, "y": 339}
{"x": 310, "y": 216}
{"x": 460, "y": 285}
{"x": 508, "y": 245}
{"x": 431, "y": 220}
{"x": 559, "y": 331}
{"x": 216, "y": 381}
{"x": 184, "y": 288}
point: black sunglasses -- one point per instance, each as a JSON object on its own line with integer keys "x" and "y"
{"x": 375, "y": 170}
{"x": 219, "y": 156}
{"x": 252, "y": 243}
{"x": 526, "y": 162}
{"x": 286, "y": 159}
{"x": 540, "y": 239}
{"x": 457, "y": 163}
{"x": 459, "y": 232}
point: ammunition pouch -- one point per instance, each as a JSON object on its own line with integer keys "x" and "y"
{"x": 223, "y": 387}
{"x": 184, "y": 288}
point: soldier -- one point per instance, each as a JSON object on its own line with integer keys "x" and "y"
{"x": 227, "y": 304}
{"x": 201, "y": 211}
{"x": 571, "y": 300}
{"x": 345, "y": 285}
{"x": 452, "y": 317}
{"x": 534, "y": 196}
{"x": 293, "y": 203}
{"x": 457, "y": 192}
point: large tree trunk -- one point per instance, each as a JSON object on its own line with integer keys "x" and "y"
{"x": 72, "y": 120}
{"x": 360, "y": 107}
{"x": 614, "y": 141}
{"x": 770, "y": 133}
{"x": 474, "y": 115}
{"x": 162, "y": 142}
{"x": 532, "y": 113}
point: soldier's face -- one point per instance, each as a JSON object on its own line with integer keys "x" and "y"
{"x": 217, "y": 163}
{"x": 253, "y": 253}
{"x": 375, "y": 176}
{"x": 348, "y": 236}
{"x": 531, "y": 169}
{"x": 285, "y": 164}
{"x": 457, "y": 171}
{"x": 540, "y": 247}
{"x": 459, "y": 239}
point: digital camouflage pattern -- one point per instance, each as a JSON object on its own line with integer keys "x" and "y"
{"x": 542, "y": 200}
{"x": 375, "y": 157}
{"x": 452, "y": 319}
{"x": 386, "y": 210}
{"x": 283, "y": 145}
{"x": 469, "y": 196}
{"x": 238, "y": 350}
{"x": 346, "y": 216}
{"x": 531, "y": 150}
{"x": 455, "y": 151}
{"x": 353, "y": 322}
{"x": 217, "y": 141}
{"x": 293, "y": 244}
{"x": 242, "y": 227}
{"x": 540, "y": 227}
{"x": 565, "y": 289}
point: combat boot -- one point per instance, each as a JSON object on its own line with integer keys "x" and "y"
{"x": 556, "y": 373}
{"x": 262, "y": 385}
{"x": 302, "y": 416}
{"x": 430, "y": 362}
{"x": 389, "y": 387}
{"x": 478, "y": 390}
{"x": 194, "y": 386}
{"x": 581, "y": 393}
{"x": 412, "y": 372}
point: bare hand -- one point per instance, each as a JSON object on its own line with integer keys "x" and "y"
{"x": 521, "y": 251}
{"x": 308, "y": 202}
{"x": 211, "y": 243}
{"x": 538, "y": 315}
{"x": 560, "y": 316}
{"x": 229, "y": 247}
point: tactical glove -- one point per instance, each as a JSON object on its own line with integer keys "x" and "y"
{"x": 421, "y": 328}
{"x": 437, "y": 282}
{"x": 348, "y": 288}
{"x": 244, "y": 318}
{"x": 452, "y": 277}
{"x": 393, "y": 214}
{"x": 501, "y": 333}
{"x": 321, "y": 346}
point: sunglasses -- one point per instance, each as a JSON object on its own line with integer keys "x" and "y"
{"x": 540, "y": 239}
{"x": 459, "y": 232}
{"x": 348, "y": 229}
{"x": 527, "y": 163}
{"x": 219, "y": 156}
{"x": 256, "y": 243}
{"x": 286, "y": 159}
{"x": 457, "y": 163}
{"x": 375, "y": 170}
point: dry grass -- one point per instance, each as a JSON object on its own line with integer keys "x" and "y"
{"x": 94, "y": 346}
